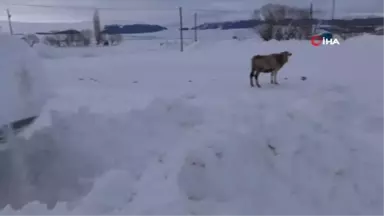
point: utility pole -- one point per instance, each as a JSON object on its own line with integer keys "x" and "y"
{"x": 333, "y": 9}
{"x": 9, "y": 21}
{"x": 195, "y": 19}
{"x": 181, "y": 29}
{"x": 311, "y": 17}
{"x": 311, "y": 11}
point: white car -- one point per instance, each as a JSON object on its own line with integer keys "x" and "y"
{"x": 24, "y": 89}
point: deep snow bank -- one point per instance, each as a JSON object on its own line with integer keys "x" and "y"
{"x": 59, "y": 163}
{"x": 23, "y": 86}
{"x": 318, "y": 166}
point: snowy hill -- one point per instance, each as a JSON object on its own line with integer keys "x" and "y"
{"x": 164, "y": 132}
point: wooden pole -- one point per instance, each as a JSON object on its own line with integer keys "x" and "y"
{"x": 10, "y": 21}
{"x": 195, "y": 19}
{"x": 181, "y": 29}
{"x": 311, "y": 17}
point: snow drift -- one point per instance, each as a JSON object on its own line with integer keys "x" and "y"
{"x": 24, "y": 88}
{"x": 56, "y": 162}
{"x": 214, "y": 146}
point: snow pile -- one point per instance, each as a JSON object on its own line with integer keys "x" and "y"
{"x": 24, "y": 89}
{"x": 217, "y": 146}
{"x": 60, "y": 161}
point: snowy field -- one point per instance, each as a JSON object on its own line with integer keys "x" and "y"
{"x": 164, "y": 132}
{"x": 148, "y": 42}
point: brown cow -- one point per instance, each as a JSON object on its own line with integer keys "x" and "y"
{"x": 268, "y": 64}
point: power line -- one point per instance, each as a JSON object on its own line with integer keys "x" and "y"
{"x": 124, "y": 8}
{"x": 85, "y": 7}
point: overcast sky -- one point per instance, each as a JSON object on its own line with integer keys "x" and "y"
{"x": 166, "y": 10}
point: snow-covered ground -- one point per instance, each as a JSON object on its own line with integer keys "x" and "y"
{"x": 164, "y": 40}
{"x": 164, "y": 132}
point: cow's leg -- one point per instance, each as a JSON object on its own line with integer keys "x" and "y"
{"x": 272, "y": 80}
{"x": 275, "y": 76}
{"x": 251, "y": 75}
{"x": 257, "y": 79}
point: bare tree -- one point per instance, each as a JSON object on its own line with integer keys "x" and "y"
{"x": 278, "y": 34}
{"x": 97, "y": 27}
{"x": 116, "y": 39}
{"x": 265, "y": 31}
{"x": 273, "y": 14}
{"x": 87, "y": 36}
{"x": 270, "y": 15}
{"x": 51, "y": 40}
{"x": 31, "y": 39}
{"x": 111, "y": 39}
